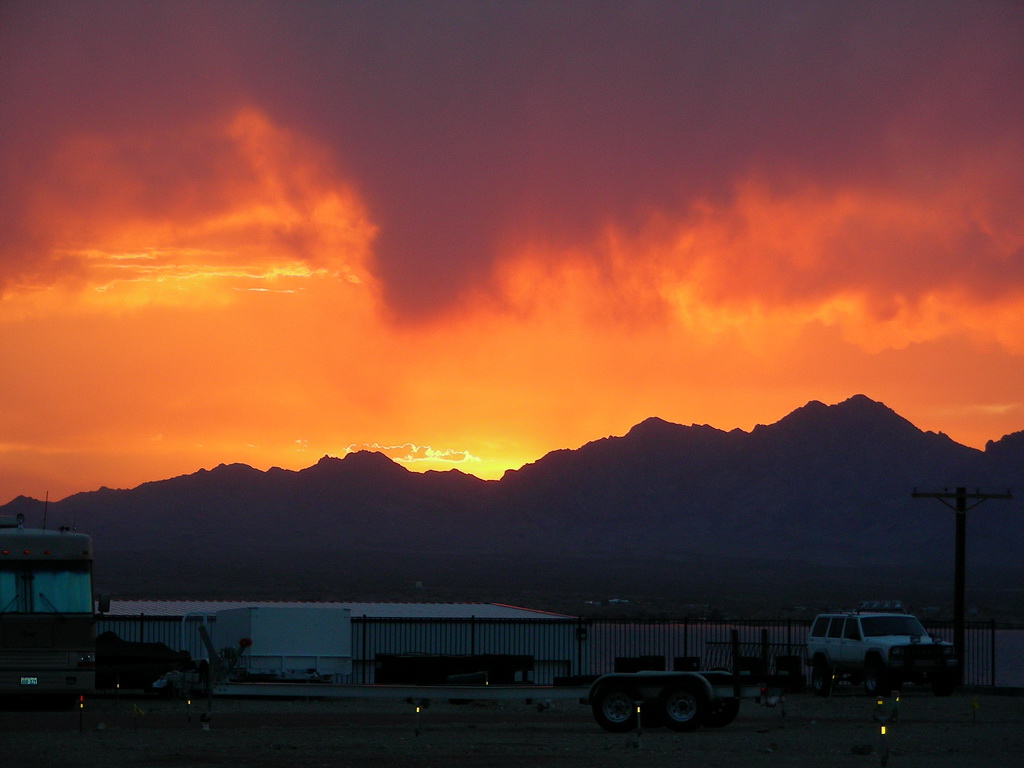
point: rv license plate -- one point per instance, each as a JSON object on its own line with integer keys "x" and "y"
{"x": 30, "y": 681}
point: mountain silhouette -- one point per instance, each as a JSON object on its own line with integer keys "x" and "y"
{"x": 819, "y": 499}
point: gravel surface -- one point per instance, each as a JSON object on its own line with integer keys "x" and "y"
{"x": 969, "y": 730}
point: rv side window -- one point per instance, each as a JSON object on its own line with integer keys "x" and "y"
{"x": 836, "y": 628}
{"x": 50, "y": 588}
{"x": 820, "y": 627}
{"x": 12, "y": 591}
{"x": 62, "y": 589}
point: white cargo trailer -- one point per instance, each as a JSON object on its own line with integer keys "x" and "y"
{"x": 311, "y": 644}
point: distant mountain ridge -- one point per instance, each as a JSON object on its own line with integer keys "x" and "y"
{"x": 826, "y": 487}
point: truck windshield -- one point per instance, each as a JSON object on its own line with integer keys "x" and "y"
{"x": 877, "y": 626}
{"x": 28, "y": 588}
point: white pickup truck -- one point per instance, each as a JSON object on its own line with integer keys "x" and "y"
{"x": 881, "y": 649}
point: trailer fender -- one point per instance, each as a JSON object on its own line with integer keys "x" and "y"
{"x": 650, "y": 685}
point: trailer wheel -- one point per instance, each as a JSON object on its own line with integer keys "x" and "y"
{"x": 614, "y": 708}
{"x": 721, "y": 712}
{"x": 684, "y": 705}
{"x": 821, "y": 677}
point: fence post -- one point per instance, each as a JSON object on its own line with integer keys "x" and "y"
{"x": 992, "y": 643}
{"x": 365, "y": 663}
{"x": 581, "y": 632}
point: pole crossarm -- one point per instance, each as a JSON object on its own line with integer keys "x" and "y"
{"x": 961, "y": 495}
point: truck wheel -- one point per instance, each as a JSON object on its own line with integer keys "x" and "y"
{"x": 614, "y": 708}
{"x": 876, "y": 678}
{"x": 721, "y": 712}
{"x": 683, "y": 705}
{"x": 821, "y": 677}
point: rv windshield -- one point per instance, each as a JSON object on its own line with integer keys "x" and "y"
{"x": 877, "y": 626}
{"x": 37, "y": 589}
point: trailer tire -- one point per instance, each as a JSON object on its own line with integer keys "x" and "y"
{"x": 721, "y": 712}
{"x": 683, "y": 705}
{"x": 614, "y": 708}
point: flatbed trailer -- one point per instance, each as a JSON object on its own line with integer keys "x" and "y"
{"x": 620, "y": 702}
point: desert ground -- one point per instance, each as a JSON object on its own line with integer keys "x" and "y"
{"x": 967, "y": 730}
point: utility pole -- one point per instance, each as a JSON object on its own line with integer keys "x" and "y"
{"x": 960, "y": 495}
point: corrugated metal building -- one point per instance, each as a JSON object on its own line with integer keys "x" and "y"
{"x": 554, "y": 642}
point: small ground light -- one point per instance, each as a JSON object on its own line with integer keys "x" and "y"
{"x": 882, "y": 717}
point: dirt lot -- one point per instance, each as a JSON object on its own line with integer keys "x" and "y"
{"x": 967, "y": 730}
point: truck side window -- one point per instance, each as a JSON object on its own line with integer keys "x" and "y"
{"x": 820, "y": 627}
{"x": 836, "y": 628}
{"x": 851, "y": 632}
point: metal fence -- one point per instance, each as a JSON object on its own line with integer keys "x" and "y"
{"x": 675, "y": 645}
{"x": 571, "y": 647}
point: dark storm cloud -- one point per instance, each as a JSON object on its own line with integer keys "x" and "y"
{"x": 469, "y": 126}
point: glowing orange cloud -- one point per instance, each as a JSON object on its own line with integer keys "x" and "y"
{"x": 879, "y": 267}
{"x": 130, "y": 225}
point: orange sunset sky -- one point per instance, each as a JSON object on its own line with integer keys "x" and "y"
{"x": 470, "y": 233}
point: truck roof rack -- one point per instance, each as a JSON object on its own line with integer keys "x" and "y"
{"x": 880, "y": 605}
